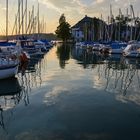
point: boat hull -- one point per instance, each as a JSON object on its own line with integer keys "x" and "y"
{"x": 132, "y": 56}
{"x": 116, "y": 51}
{"x": 8, "y": 72}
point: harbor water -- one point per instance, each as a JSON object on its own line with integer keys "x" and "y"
{"x": 72, "y": 94}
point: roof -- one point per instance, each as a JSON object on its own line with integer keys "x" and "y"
{"x": 87, "y": 20}
{"x": 82, "y": 21}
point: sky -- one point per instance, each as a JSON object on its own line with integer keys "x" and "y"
{"x": 74, "y": 10}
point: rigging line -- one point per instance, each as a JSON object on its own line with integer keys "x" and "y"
{"x": 17, "y": 16}
{"x": 31, "y": 21}
{"x": 13, "y": 9}
{"x": 22, "y": 19}
{"x": 10, "y": 21}
{"x": 14, "y": 24}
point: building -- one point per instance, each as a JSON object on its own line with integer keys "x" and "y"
{"x": 88, "y": 29}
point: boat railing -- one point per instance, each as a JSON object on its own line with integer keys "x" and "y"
{"x": 8, "y": 59}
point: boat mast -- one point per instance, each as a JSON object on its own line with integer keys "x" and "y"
{"x": 111, "y": 18}
{"x": 38, "y": 21}
{"x": 33, "y": 22}
{"x": 126, "y": 38}
{"x": 111, "y": 23}
{"x": 133, "y": 19}
{"x": 16, "y": 24}
{"x": 101, "y": 28}
{"x": 26, "y": 17}
{"x": 19, "y": 16}
{"x": 120, "y": 14}
{"x": 7, "y": 20}
{"x": 22, "y": 17}
{"x": 45, "y": 27}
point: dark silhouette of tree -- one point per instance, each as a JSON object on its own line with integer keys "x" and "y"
{"x": 63, "y": 30}
{"x": 62, "y": 19}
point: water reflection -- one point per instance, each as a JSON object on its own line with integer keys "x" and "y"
{"x": 65, "y": 104}
{"x": 113, "y": 73}
{"x": 88, "y": 58}
{"x": 13, "y": 91}
{"x": 31, "y": 77}
{"x": 63, "y": 54}
{"x": 10, "y": 95}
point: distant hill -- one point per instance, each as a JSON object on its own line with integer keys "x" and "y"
{"x": 49, "y": 36}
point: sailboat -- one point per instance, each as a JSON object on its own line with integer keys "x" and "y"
{"x": 8, "y": 56}
{"x": 8, "y": 62}
{"x": 132, "y": 50}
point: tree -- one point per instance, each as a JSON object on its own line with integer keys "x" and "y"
{"x": 62, "y": 19}
{"x": 63, "y": 30}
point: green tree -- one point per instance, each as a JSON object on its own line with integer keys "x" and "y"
{"x": 63, "y": 30}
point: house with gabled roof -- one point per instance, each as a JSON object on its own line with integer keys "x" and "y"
{"x": 88, "y": 29}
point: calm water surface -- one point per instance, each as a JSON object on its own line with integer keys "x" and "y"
{"x": 71, "y": 94}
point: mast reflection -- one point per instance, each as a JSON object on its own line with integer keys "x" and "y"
{"x": 32, "y": 76}
{"x": 15, "y": 90}
{"x": 10, "y": 96}
{"x": 115, "y": 73}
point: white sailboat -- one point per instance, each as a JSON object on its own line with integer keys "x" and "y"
{"x": 8, "y": 56}
{"x": 132, "y": 50}
{"x": 8, "y": 71}
{"x": 8, "y": 64}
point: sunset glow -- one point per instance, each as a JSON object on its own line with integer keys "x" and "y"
{"x": 74, "y": 10}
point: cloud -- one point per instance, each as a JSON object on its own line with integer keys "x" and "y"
{"x": 52, "y": 97}
{"x": 64, "y": 6}
{"x": 74, "y": 10}
{"x": 100, "y": 1}
{"x": 50, "y": 5}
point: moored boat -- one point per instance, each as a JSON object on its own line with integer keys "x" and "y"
{"x": 9, "y": 70}
{"x": 132, "y": 50}
{"x": 8, "y": 63}
{"x": 117, "y": 47}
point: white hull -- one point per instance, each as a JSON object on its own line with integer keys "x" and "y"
{"x": 8, "y": 72}
{"x": 132, "y": 51}
{"x": 132, "y": 55}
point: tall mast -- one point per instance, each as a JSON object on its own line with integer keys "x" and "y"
{"x": 126, "y": 37}
{"x": 120, "y": 14}
{"x": 45, "y": 27}
{"x": 111, "y": 22}
{"x": 29, "y": 22}
{"x": 132, "y": 18}
{"x": 33, "y": 20}
{"x": 111, "y": 14}
{"x": 22, "y": 17}
{"x": 101, "y": 27}
{"x": 19, "y": 17}
{"x": 16, "y": 24}
{"x": 7, "y": 20}
{"x": 26, "y": 17}
{"x": 38, "y": 21}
